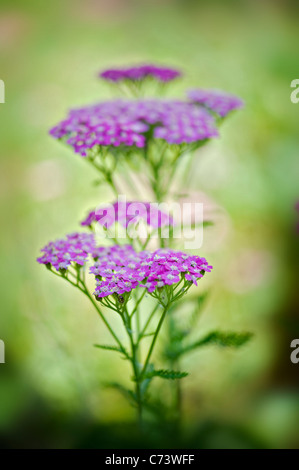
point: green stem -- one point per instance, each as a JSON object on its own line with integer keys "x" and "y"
{"x": 137, "y": 314}
{"x": 112, "y": 185}
{"x": 135, "y": 364}
{"x": 147, "y": 322}
{"x": 161, "y": 239}
{"x": 146, "y": 242}
{"x": 154, "y": 340}
{"x": 178, "y": 397}
{"x": 107, "y": 176}
{"x": 172, "y": 173}
{"x": 87, "y": 293}
{"x": 137, "y": 303}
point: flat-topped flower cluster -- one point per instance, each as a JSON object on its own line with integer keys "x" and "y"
{"x": 141, "y": 72}
{"x": 61, "y": 253}
{"x": 122, "y": 270}
{"x": 119, "y": 268}
{"x": 132, "y": 123}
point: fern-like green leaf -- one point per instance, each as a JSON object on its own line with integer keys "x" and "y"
{"x": 166, "y": 374}
{"x": 107, "y": 347}
{"x": 219, "y": 338}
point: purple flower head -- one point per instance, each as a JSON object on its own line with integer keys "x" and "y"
{"x": 113, "y": 254}
{"x": 168, "y": 266}
{"x": 127, "y": 123}
{"x": 141, "y": 72}
{"x": 120, "y": 269}
{"x": 127, "y": 213}
{"x": 218, "y": 101}
{"x": 74, "y": 248}
{"x": 114, "y": 270}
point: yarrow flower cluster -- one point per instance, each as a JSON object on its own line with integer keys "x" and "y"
{"x": 61, "y": 253}
{"x": 132, "y": 123}
{"x": 105, "y": 133}
{"x": 162, "y": 74}
{"x": 126, "y": 213}
{"x": 121, "y": 269}
{"x": 217, "y": 101}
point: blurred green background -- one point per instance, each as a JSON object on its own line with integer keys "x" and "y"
{"x": 51, "y": 392}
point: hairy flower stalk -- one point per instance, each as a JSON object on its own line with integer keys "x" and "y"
{"x": 141, "y": 287}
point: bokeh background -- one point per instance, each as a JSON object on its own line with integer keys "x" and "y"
{"x": 51, "y": 392}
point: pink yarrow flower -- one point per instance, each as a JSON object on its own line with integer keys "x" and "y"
{"x": 218, "y": 101}
{"x": 61, "y": 253}
{"x": 140, "y": 72}
{"x": 122, "y": 270}
{"x": 133, "y": 123}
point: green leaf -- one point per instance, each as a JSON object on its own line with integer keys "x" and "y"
{"x": 166, "y": 374}
{"x": 177, "y": 335}
{"x": 107, "y": 347}
{"x": 230, "y": 339}
{"x": 216, "y": 338}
